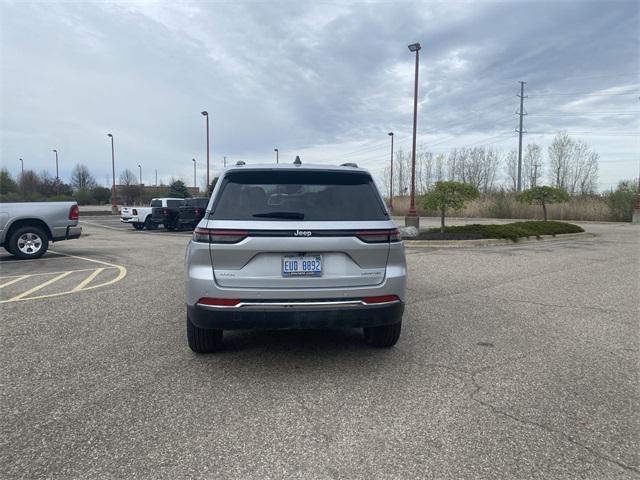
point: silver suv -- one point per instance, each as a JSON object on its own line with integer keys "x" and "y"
{"x": 295, "y": 246}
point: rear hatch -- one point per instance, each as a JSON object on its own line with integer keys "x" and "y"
{"x": 298, "y": 229}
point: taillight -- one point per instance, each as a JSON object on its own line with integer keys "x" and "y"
{"x": 74, "y": 212}
{"x": 219, "y": 302}
{"x": 135, "y": 212}
{"x": 210, "y": 235}
{"x": 380, "y": 299}
{"x": 379, "y": 236}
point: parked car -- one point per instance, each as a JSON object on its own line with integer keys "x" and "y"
{"x": 191, "y": 212}
{"x": 27, "y": 228}
{"x": 166, "y": 213}
{"x": 294, "y": 246}
{"x": 141, "y": 217}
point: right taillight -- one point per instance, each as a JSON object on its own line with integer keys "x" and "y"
{"x": 74, "y": 212}
{"x": 379, "y": 236}
{"x": 211, "y": 235}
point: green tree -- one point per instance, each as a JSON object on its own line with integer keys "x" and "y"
{"x": 213, "y": 185}
{"x": 7, "y": 183}
{"x": 543, "y": 196}
{"x": 178, "y": 189}
{"x": 621, "y": 201}
{"x": 449, "y": 194}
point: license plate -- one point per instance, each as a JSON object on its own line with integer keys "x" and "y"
{"x": 302, "y": 266}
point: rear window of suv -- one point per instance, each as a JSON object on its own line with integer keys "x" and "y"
{"x": 298, "y": 195}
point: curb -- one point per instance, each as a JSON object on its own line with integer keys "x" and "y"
{"x": 487, "y": 242}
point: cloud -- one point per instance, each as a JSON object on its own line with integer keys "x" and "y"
{"x": 327, "y": 80}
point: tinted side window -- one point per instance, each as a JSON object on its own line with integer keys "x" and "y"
{"x": 298, "y": 195}
{"x": 156, "y": 203}
{"x": 174, "y": 203}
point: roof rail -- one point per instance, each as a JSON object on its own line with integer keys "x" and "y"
{"x": 350, "y": 164}
{"x": 239, "y": 163}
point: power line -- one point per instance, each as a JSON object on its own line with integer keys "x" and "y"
{"x": 536, "y": 95}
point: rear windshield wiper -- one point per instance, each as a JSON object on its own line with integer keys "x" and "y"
{"x": 287, "y": 215}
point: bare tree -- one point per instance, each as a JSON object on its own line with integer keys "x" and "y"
{"x": 560, "y": 157}
{"x": 81, "y": 178}
{"x": 532, "y": 166}
{"x": 511, "y": 170}
{"x": 439, "y": 173}
{"x": 130, "y": 188}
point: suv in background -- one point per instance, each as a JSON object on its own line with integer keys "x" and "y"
{"x": 165, "y": 212}
{"x": 293, "y": 246}
{"x": 191, "y": 212}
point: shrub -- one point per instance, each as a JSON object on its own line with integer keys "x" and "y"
{"x": 622, "y": 200}
{"x": 514, "y": 231}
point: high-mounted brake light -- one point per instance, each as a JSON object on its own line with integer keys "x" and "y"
{"x": 219, "y": 302}
{"x": 379, "y": 236}
{"x": 211, "y": 235}
{"x": 380, "y": 299}
{"x": 74, "y": 212}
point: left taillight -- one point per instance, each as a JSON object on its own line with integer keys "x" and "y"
{"x": 135, "y": 212}
{"x": 74, "y": 212}
{"x": 211, "y": 235}
{"x": 379, "y": 236}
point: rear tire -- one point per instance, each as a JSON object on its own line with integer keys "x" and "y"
{"x": 138, "y": 226}
{"x": 147, "y": 223}
{"x": 203, "y": 340}
{"x": 28, "y": 242}
{"x": 383, "y": 336}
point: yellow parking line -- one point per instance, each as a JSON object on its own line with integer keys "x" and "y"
{"x": 11, "y": 282}
{"x": 39, "y": 287}
{"x": 52, "y": 273}
{"x": 87, "y": 280}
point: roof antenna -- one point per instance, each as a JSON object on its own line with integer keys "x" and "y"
{"x": 297, "y": 162}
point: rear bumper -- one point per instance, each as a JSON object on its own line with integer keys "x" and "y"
{"x": 68, "y": 233}
{"x": 129, "y": 219}
{"x": 295, "y": 317}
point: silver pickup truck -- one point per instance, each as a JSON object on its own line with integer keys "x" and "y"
{"x": 27, "y": 228}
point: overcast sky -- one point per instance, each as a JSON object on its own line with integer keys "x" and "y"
{"x": 325, "y": 80}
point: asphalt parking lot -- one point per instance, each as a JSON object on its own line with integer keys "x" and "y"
{"x": 515, "y": 362}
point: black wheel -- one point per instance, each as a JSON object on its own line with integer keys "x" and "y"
{"x": 138, "y": 226}
{"x": 151, "y": 226}
{"x": 28, "y": 242}
{"x": 202, "y": 340}
{"x": 383, "y": 336}
{"x": 147, "y": 223}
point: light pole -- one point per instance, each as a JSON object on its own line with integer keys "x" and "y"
{"x": 277, "y": 155}
{"x": 22, "y": 177}
{"x": 206, "y": 114}
{"x": 114, "y": 207}
{"x": 156, "y": 177}
{"x": 140, "y": 168}
{"x": 224, "y": 161}
{"x": 391, "y": 175}
{"x": 57, "y": 176}
{"x": 194, "y": 172}
{"x": 412, "y": 219}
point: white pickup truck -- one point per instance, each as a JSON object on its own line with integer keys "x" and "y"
{"x": 140, "y": 217}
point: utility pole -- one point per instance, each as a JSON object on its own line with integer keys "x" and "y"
{"x": 224, "y": 161}
{"x": 520, "y": 131}
{"x": 277, "y": 155}
{"x": 156, "y": 177}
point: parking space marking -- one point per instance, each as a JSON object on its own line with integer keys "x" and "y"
{"x": 87, "y": 280}
{"x": 16, "y": 279}
{"x": 39, "y": 287}
{"x": 84, "y": 285}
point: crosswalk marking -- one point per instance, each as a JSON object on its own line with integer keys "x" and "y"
{"x": 87, "y": 280}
